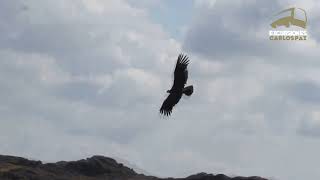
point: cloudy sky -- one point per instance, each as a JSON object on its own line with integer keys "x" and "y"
{"x": 86, "y": 77}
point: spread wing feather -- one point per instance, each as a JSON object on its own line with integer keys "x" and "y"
{"x": 169, "y": 103}
{"x": 180, "y": 73}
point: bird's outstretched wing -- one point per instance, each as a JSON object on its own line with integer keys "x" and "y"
{"x": 180, "y": 72}
{"x": 168, "y": 104}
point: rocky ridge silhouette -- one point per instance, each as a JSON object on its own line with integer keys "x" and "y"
{"x": 94, "y": 168}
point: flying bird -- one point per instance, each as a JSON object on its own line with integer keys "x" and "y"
{"x": 178, "y": 88}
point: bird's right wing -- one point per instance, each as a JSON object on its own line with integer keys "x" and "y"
{"x": 167, "y": 105}
{"x": 181, "y": 72}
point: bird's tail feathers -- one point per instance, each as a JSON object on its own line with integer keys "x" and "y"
{"x": 188, "y": 90}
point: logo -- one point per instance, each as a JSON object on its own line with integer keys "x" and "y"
{"x": 287, "y": 22}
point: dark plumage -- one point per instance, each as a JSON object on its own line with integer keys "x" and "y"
{"x": 178, "y": 88}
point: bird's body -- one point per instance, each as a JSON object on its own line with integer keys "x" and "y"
{"x": 178, "y": 88}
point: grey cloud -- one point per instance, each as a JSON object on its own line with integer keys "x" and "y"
{"x": 305, "y": 92}
{"x": 231, "y": 27}
{"x": 309, "y": 128}
{"x": 313, "y": 18}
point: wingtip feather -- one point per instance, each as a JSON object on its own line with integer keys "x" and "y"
{"x": 183, "y": 59}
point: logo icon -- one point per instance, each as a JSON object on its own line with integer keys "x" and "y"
{"x": 291, "y": 19}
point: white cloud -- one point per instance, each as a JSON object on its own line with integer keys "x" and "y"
{"x": 205, "y": 3}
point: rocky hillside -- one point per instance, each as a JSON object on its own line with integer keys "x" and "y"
{"x": 94, "y": 168}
